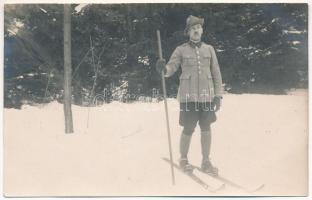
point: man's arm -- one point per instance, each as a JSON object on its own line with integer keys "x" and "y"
{"x": 216, "y": 74}
{"x": 174, "y": 63}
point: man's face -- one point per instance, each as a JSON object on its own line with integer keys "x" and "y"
{"x": 195, "y": 32}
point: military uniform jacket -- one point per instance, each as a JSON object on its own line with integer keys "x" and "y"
{"x": 201, "y": 79}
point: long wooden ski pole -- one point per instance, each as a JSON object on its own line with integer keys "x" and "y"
{"x": 166, "y": 107}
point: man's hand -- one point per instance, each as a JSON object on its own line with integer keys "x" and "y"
{"x": 161, "y": 65}
{"x": 217, "y": 103}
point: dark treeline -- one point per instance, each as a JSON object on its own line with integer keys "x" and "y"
{"x": 262, "y": 48}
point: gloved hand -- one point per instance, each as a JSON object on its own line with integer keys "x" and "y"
{"x": 217, "y": 103}
{"x": 161, "y": 65}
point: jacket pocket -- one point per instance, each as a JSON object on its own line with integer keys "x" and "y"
{"x": 206, "y": 60}
{"x": 210, "y": 84}
{"x": 189, "y": 61}
{"x": 185, "y": 86}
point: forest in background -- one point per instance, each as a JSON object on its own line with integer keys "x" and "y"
{"x": 262, "y": 48}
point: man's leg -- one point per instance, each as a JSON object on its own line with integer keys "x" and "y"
{"x": 185, "y": 141}
{"x": 204, "y": 123}
{"x": 186, "y": 137}
{"x": 205, "y": 139}
{"x": 188, "y": 119}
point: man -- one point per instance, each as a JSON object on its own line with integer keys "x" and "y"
{"x": 199, "y": 91}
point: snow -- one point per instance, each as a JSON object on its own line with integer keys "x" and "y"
{"x": 79, "y": 7}
{"x": 251, "y": 29}
{"x": 15, "y": 26}
{"x": 13, "y": 31}
{"x": 268, "y": 53}
{"x": 30, "y": 74}
{"x": 120, "y": 151}
{"x": 274, "y": 20}
{"x": 144, "y": 60}
{"x": 296, "y": 42}
{"x": 43, "y": 10}
{"x": 19, "y": 24}
{"x": 293, "y": 32}
{"x": 240, "y": 48}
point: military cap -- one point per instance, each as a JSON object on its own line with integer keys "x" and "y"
{"x": 191, "y": 21}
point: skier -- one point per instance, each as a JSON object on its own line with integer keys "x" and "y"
{"x": 200, "y": 91}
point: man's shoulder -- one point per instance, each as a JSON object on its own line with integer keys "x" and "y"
{"x": 182, "y": 48}
{"x": 206, "y": 45}
{"x": 184, "y": 45}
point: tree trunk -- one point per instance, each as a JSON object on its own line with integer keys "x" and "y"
{"x": 67, "y": 69}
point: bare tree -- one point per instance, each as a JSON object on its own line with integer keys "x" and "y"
{"x": 67, "y": 69}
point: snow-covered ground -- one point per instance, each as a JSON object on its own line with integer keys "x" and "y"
{"x": 257, "y": 139}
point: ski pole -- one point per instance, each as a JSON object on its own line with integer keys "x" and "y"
{"x": 166, "y": 107}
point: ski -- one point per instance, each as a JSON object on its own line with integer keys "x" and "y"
{"x": 231, "y": 183}
{"x": 220, "y": 185}
{"x": 193, "y": 177}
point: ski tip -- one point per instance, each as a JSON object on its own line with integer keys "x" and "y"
{"x": 222, "y": 187}
{"x": 259, "y": 188}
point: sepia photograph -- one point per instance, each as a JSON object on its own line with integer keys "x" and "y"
{"x": 155, "y": 99}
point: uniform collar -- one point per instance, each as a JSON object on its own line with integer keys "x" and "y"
{"x": 193, "y": 44}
